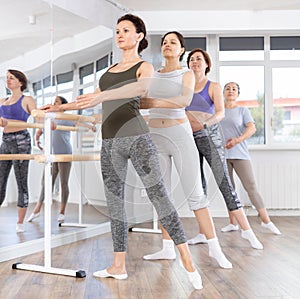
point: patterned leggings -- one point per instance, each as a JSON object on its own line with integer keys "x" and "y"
{"x": 115, "y": 153}
{"x": 210, "y": 145}
{"x": 15, "y": 143}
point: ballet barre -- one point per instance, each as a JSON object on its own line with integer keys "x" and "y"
{"x": 47, "y": 157}
{"x": 65, "y": 158}
{"x": 60, "y": 115}
{"x": 25, "y": 125}
{"x": 17, "y": 157}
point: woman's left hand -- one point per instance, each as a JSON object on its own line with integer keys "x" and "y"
{"x": 3, "y": 122}
{"x": 50, "y": 108}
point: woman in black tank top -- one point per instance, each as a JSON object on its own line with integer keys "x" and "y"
{"x": 125, "y": 135}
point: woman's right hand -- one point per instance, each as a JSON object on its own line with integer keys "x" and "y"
{"x": 88, "y": 100}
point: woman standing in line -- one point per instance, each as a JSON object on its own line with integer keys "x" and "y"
{"x": 125, "y": 135}
{"x": 238, "y": 125}
{"x": 17, "y": 107}
{"x": 170, "y": 92}
{"x": 205, "y": 112}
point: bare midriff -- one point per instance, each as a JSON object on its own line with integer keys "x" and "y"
{"x": 165, "y": 122}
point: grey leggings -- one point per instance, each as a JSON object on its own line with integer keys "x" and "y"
{"x": 115, "y": 153}
{"x": 243, "y": 169}
{"x": 15, "y": 143}
{"x": 63, "y": 168}
{"x": 210, "y": 145}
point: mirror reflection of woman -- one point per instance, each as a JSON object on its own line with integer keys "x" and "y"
{"x": 238, "y": 125}
{"x": 16, "y": 107}
{"x": 61, "y": 144}
{"x": 125, "y": 135}
{"x": 205, "y": 112}
{"x": 171, "y": 91}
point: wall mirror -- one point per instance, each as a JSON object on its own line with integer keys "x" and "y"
{"x": 63, "y": 50}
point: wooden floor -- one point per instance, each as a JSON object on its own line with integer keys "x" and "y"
{"x": 35, "y": 230}
{"x": 272, "y": 273}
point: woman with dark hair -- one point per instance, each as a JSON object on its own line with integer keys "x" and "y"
{"x": 238, "y": 125}
{"x": 125, "y": 135}
{"x": 205, "y": 112}
{"x": 16, "y": 107}
{"x": 170, "y": 92}
{"x": 61, "y": 144}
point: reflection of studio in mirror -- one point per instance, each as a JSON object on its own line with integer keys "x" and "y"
{"x": 61, "y": 53}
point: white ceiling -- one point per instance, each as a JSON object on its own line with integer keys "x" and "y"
{"x": 148, "y": 5}
{"x": 17, "y": 36}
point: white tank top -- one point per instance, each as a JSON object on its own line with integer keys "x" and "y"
{"x": 163, "y": 86}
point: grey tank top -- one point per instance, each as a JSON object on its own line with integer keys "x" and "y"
{"x": 121, "y": 118}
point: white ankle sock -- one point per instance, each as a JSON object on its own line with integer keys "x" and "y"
{"x": 195, "y": 279}
{"x": 200, "y": 238}
{"x": 230, "y": 227}
{"x": 167, "y": 252}
{"x": 216, "y": 252}
{"x": 271, "y": 226}
{"x": 250, "y": 236}
{"x": 33, "y": 216}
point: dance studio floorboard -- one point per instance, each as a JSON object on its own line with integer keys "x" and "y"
{"x": 272, "y": 273}
{"x": 35, "y": 229}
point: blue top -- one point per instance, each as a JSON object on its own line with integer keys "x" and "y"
{"x": 202, "y": 102}
{"x": 233, "y": 126}
{"x": 14, "y": 111}
{"x": 163, "y": 86}
{"x": 61, "y": 143}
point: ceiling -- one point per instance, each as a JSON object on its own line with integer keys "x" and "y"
{"x": 18, "y": 36}
{"x": 148, "y": 5}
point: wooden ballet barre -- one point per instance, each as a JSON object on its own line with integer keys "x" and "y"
{"x": 17, "y": 157}
{"x": 21, "y": 124}
{"x": 60, "y": 115}
{"x": 66, "y": 158}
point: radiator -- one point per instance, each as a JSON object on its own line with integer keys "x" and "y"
{"x": 278, "y": 181}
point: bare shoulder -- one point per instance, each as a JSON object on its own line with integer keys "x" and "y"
{"x": 28, "y": 100}
{"x": 215, "y": 85}
{"x": 146, "y": 69}
{"x": 29, "y": 104}
{"x": 188, "y": 74}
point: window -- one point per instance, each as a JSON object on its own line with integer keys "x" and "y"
{"x": 241, "y": 48}
{"x": 286, "y": 105}
{"x": 101, "y": 67}
{"x": 285, "y": 47}
{"x": 192, "y": 43}
{"x": 65, "y": 85}
{"x": 195, "y": 42}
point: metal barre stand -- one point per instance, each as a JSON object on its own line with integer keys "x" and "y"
{"x": 47, "y": 217}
